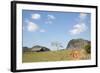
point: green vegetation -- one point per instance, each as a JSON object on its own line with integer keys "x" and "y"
{"x": 60, "y": 55}
{"x": 88, "y": 48}
{"x": 77, "y": 49}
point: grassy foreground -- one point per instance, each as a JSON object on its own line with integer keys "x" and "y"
{"x": 54, "y": 56}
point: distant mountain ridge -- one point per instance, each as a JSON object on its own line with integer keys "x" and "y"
{"x": 36, "y": 48}
{"x": 39, "y": 48}
{"x": 77, "y": 44}
{"x": 72, "y": 44}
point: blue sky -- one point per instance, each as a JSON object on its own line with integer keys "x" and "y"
{"x": 45, "y": 27}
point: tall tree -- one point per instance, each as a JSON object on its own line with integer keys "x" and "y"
{"x": 57, "y": 45}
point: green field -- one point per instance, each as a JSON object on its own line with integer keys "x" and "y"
{"x": 52, "y": 56}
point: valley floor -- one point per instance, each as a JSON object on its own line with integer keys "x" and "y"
{"x": 63, "y": 55}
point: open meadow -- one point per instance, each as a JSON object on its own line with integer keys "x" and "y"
{"x": 62, "y": 55}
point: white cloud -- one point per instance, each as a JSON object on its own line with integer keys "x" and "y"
{"x": 48, "y": 22}
{"x": 51, "y": 17}
{"x": 32, "y": 27}
{"x": 35, "y": 16}
{"x": 82, "y": 16}
{"x": 78, "y": 28}
{"x": 42, "y": 30}
{"x": 81, "y": 26}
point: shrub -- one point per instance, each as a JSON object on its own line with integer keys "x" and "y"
{"x": 88, "y": 48}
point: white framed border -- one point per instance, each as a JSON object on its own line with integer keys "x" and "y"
{"x": 20, "y": 65}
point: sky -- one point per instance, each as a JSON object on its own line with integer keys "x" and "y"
{"x": 46, "y": 27}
